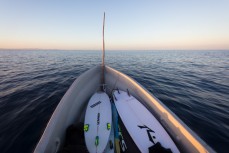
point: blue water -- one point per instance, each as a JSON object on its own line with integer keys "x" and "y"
{"x": 193, "y": 84}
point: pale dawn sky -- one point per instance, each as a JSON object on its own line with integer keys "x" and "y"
{"x": 130, "y": 24}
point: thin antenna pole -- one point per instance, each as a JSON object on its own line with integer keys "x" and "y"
{"x": 103, "y": 65}
{"x": 103, "y": 40}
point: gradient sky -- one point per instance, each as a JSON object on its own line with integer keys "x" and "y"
{"x": 130, "y": 24}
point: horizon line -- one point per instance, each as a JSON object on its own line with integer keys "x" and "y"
{"x": 53, "y": 49}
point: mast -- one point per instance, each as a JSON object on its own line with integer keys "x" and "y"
{"x": 103, "y": 65}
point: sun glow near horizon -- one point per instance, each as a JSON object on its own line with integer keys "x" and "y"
{"x": 129, "y": 25}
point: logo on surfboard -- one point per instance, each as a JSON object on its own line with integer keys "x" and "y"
{"x": 98, "y": 118}
{"x": 95, "y": 104}
{"x": 148, "y": 130}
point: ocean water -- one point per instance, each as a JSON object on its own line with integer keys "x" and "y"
{"x": 193, "y": 84}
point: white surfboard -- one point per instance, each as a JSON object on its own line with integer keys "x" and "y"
{"x": 98, "y": 122}
{"x": 142, "y": 126}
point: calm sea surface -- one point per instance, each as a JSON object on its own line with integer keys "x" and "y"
{"x": 193, "y": 84}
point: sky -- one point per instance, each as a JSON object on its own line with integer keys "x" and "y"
{"x": 130, "y": 24}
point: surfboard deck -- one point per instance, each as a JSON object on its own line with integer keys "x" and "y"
{"x": 98, "y": 122}
{"x": 142, "y": 126}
